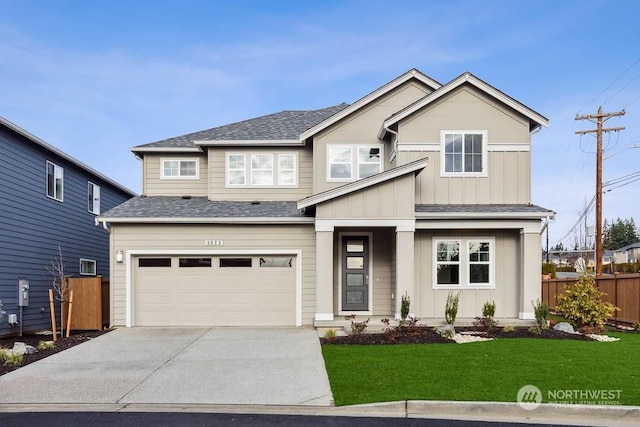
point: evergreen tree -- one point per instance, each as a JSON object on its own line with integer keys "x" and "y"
{"x": 619, "y": 233}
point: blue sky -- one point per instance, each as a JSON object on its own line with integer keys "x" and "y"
{"x": 95, "y": 78}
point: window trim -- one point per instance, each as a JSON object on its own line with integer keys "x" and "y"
{"x": 355, "y": 160}
{"x": 180, "y": 160}
{"x": 464, "y": 263}
{"x": 248, "y": 169}
{"x": 95, "y": 201}
{"x": 95, "y": 267}
{"x": 56, "y": 167}
{"x": 485, "y": 144}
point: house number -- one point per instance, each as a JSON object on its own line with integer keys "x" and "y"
{"x": 214, "y": 242}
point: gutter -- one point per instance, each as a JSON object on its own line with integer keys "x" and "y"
{"x": 105, "y": 225}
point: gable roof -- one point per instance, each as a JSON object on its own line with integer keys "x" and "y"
{"x": 281, "y": 128}
{"x": 62, "y": 154}
{"x": 627, "y": 247}
{"x": 413, "y": 167}
{"x": 382, "y": 90}
{"x": 536, "y": 119}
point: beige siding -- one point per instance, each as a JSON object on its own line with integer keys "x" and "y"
{"x": 508, "y": 177}
{"x": 153, "y": 185}
{"x": 192, "y": 237}
{"x": 362, "y": 128}
{"x": 220, "y": 191}
{"x": 430, "y": 303}
{"x": 391, "y": 199}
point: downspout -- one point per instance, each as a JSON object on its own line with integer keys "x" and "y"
{"x": 104, "y": 225}
{"x": 394, "y": 143}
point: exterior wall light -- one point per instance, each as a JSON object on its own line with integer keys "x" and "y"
{"x": 119, "y": 257}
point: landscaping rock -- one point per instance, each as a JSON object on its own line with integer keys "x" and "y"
{"x": 22, "y": 348}
{"x": 463, "y": 339}
{"x": 446, "y": 330}
{"x": 602, "y": 338}
{"x": 564, "y": 327}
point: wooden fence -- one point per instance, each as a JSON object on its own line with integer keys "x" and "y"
{"x": 623, "y": 291}
{"x": 90, "y": 302}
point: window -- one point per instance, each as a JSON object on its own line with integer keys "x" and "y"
{"x": 180, "y": 168}
{"x": 235, "y": 262}
{"x": 262, "y": 169}
{"x": 276, "y": 261}
{"x": 464, "y": 153}
{"x": 195, "y": 262}
{"x": 87, "y": 267}
{"x": 55, "y": 181}
{"x": 93, "y": 198}
{"x": 464, "y": 263}
{"x": 154, "y": 262}
{"x": 345, "y": 162}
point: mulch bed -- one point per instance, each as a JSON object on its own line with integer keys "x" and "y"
{"x": 30, "y": 338}
{"x": 426, "y": 335}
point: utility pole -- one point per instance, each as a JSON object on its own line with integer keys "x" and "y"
{"x": 600, "y": 118}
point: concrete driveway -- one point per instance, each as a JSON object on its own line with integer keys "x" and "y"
{"x": 262, "y": 366}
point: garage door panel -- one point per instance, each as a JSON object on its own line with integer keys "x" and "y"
{"x": 214, "y": 295}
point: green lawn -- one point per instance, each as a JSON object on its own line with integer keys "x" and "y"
{"x": 482, "y": 371}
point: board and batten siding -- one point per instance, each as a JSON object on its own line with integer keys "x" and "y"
{"x": 32, "y": 226}
{"x": 219, "y": 189}
{"x": 508, "y": 177}
{"x": 192, "y": 237}
{"x": 154, "y": 185}
{"x": 430, "y": 303}
{"x": 361, "y": 128}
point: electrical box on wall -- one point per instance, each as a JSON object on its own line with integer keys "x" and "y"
{"x": 23, "y": 293}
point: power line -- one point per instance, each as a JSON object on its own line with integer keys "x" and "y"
{"x": 612, "y": 83}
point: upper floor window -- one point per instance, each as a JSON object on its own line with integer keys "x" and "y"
{"x": 93, "y": 198}
{"x": 55, "y": 181}
{"x": 350, "y": 162}
{"x": 179, "y": 168}
{"x": 262, "y": 169}
{"x": 464, "y": 263}
{"x": 464, "y": 153}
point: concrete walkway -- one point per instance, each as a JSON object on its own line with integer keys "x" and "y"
{"x": 261, "y": 366}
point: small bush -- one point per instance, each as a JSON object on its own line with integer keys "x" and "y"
{"x": 329, "y": 334}
{"x": 404, "y": 307}
{"x": 535, "y": 330}
{"x": 541, "y": 311}
{"x": 10, "y": 358}
{"x": 549, "y": 269}
{"x": 582, "y": 303}
{"x": 357, "y": 327}
{"x": 487, "y": 321}
{"x": 507, "y": 328}
{"x": 636, "y": 327}
{"x": 46, "y": 345}
{"x": 451, "y": 309}
{"x": 489, "y": 309}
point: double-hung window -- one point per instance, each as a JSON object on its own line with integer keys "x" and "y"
{"x": 350, "y": 162}
{"x": 179, "y": 168}
{"x": 464, "y": 153}
{"x": 464, "y": 263}
{"x": 262, "y": 169}
{"x": 93, "y": 198}
{"x": 87, "y": 267}
{"x": 55, "y": 181}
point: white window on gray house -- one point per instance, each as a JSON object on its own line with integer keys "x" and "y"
{"x": 464, "y": 152}
{"x": 93, "y": 198}
{"x": 464, "y": 263}
{"x": 236, "y": 170}
{"x": 287, "y": 169}
{"x": 479, "y": 262}
{"x": 448, "y": 262}
{"x": 179, "y": 168}
{"x": 55, "y": 181}
{"x": 262, "y": 169}
{"x": 87, "y": 267}
{"x": 349, "y": 162}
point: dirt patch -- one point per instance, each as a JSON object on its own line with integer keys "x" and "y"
{"x": 77, "y": 337}
{"x": 427, "y": 335}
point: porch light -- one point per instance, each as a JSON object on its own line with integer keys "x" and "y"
{"x": 119, "y": 257}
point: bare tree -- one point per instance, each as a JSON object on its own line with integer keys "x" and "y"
{"x": 59, "y": 284}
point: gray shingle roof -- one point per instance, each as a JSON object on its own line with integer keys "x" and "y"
{"x": 200, "y": 207}
{"x": 446, "y": 209}
{"x": 277, "y": 126}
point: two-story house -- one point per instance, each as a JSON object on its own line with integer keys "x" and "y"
{"x": 48, "y": 200}
{"x": 298, "y": 217}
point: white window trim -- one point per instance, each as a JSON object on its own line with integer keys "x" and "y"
{"x": 46, "y": 175}
{"x": 248, "y": 169}
{"x": 180, "y": 160}
{"x": 96, "y": 200}
{"x": 355, "y": 169}
{"x": 95, "y": 267}
{"x": 464, "y": 262}
{"x": 485, "y": 143}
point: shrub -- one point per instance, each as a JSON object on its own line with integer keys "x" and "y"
{"x": 451, "y": 309}
{"x": 549, "y": 269}
{"x": 10, "y": 358}
{"x": 330, "y": 334}
{"x": 636, "y": 327}
{"x": 582, "y": 303}
{"x": 507, "y": 328}
{"x": 535, "y": 330}
{"x": 404, "y": 307}
{"x": 45, "y": 345}
{"x": 357, "y": 327}
{"x": 487, "y": 321}
{"x": 489, "y": 309}
{"x": 541, "y": 311}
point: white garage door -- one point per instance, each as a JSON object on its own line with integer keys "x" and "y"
{"x": 214, "y": 290}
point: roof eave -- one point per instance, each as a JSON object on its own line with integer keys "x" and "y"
{"x": 484, "y": 215}
{"x": 137, "y": 150}
{"x": 207, "y": 220}
{"x": 250, "y": 142}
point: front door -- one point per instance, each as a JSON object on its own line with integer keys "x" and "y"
{"x": 355, "y": 273}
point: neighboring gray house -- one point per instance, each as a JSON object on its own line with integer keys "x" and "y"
{"x": 47, "y": 199}
{"x": 629, "y": 253}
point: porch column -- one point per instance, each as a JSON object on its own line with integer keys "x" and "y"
{"x": 404, "y": 268}
{"x": 324, "y": 273}
{"x": 530, "y": 286}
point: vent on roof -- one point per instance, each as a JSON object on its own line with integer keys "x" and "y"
{"x": 255, "y": 202}
{"x": 186, "y": 197}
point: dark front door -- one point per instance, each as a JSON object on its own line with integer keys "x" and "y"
{"x": 355, "y": 273}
